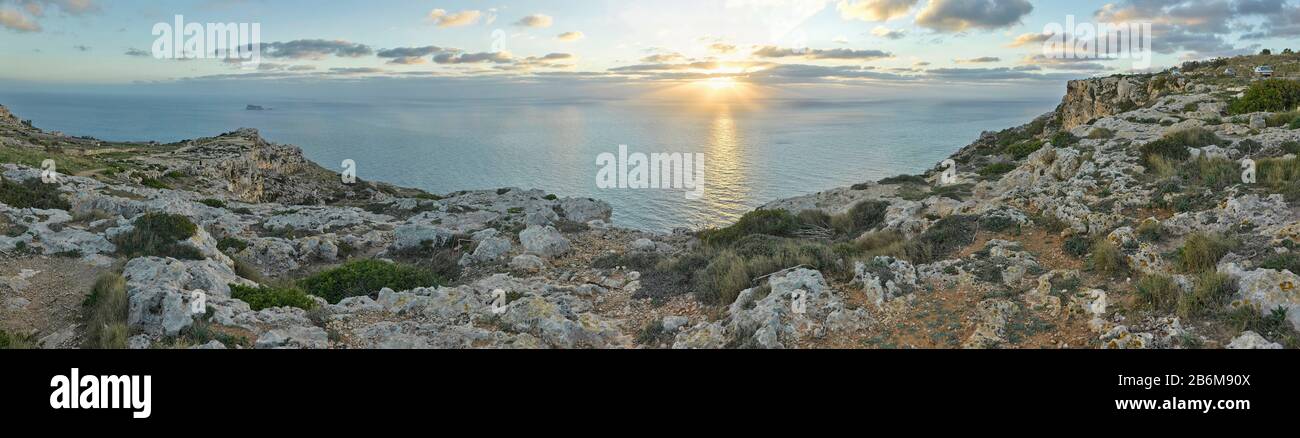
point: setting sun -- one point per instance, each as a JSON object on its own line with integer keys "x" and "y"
{"x": 720, "y": 83}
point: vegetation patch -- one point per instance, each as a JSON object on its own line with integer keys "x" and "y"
{"x": 366, "y": 277}
{"x": 1201, "y": 252}
{"x": 159, "y": 235}
{"x": 1213, "y": 291}
{"x": 1267, "y": 95}
{"x": 32, "y": 193}
{"x": 106, "y": 313}
{"x": 944, "y": 237}
{"x": 1174, "y": 145}
{"x": 214, "y": 203}
{"x": 1157, "y": 292}
{"x": 267, "y": 297}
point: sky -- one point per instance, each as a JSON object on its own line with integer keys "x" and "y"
{"x": 736, "y": 46}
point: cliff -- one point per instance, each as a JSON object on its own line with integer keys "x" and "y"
{"x": 1119, "y": 220}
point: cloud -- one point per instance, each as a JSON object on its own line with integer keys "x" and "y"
{"x": 138, "y": 53}
{"x": 840, "y": 54}
{"x": 980, "y": 60}
{"x": 996, "y": 74}
{"x": 840, "y": 40}
{"x": 357, "y": 70}
{"x": 801, "y": 73}
{"x": 1029, "y": 38}
{"x": 442, "y": 18}
{"x": 571, "y": 36}
{"x": 1068, "y": 64}
{"x": 660, "y": 58}
{"x": 474, "y": 58}
{"x": 962, "y": 15}
{"x": 412, "y": 55}
{"x": 722, "y": 48}
{"x": 15, "y": 20}
{"x": 536, "y": 20}
{"x": 315, "y": 49}
{"x": 887, "y": 33}
{"x": 81, "y": 48}
{"x": 875, "y": 10}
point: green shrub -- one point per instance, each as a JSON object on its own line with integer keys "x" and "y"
{"x": 365, "y": 277}
{"x": 944, "y": 237}
{"x": 1278, "y": 172}
{"x": 159, "y": 235}
{"x": 1107, "y": 259}
{"x": 1291, "y": 147}
{"x": 1024, "y": 149}
{"x": 1157, "y": 292}
{"x": 722, "y": 280}
{"x": 1077, "y": 246}
{"x": 1174, "y": 144}
{"x": 1064, "y": 139}
{"x": 1283, "y": 262}
{"x": 32, "y": 193}
{"x": 106, "y": 313}
{"x": 214, "y": 203}
{"x": 904, "y": 179}
{"x": 1281, "y": 119}
{"x": 16, "y": 342}
{"x": 1212, "y": 173}
{"x": 1213, "y": 291}
{"x": 863, "y": 216}
{"x": 770, "y": 222}
{"x": 231, "y": 244}
{"x": 1273, "y": 95}
{"x": 1274, "y": 326}
{"x": 267, "y": 297}
{"x": 154, "y": 183}
{"x": 997, "y": 169}
{"x": 1201, "y": 252}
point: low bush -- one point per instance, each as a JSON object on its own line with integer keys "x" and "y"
{"x": 1201, "y": 252}
{"x": 32, "y": 193}
{"x": 1157, "y": 292}
{"x": 267, "y": 297}
{"x": 944, "y": 237}
{"x": 366, "y": 277}
{"x": 231, "y": 244}
{"x": 1267, "y": 95}
{"x": 904, "y": 179}
{"x": 1107, "y": 259}
{"x": 1211, "y": 173}
{"x": 214, "y": 203}
{"x": 1064, "y": 139}
{"x": 1022, "y": 150}
{"x": 159, "y": 235}
{"x": 106, "y": 313}
{"x": 1077, "y": 246}
{"x": 770, "y": 222}
{"x": 997, "y": 169}
{"x": 1213, "y": 291}
{"x": 861, "y": 217}
{"x": 10, "y": 341}
{"x": 1174, "y": 144}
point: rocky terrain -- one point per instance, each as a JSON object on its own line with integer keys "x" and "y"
{"x": 1119, "y": 220}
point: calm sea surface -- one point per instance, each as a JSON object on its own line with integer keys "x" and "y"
{"x": 755, "y": 152}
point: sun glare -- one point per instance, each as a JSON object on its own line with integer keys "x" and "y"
{"x": 720, "y": 83}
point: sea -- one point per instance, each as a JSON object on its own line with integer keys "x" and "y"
{"x": 755, "y": 151}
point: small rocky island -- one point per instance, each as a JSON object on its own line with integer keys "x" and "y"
{"x": 1119, "y": 220}
{"x": 255, "y": 108}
